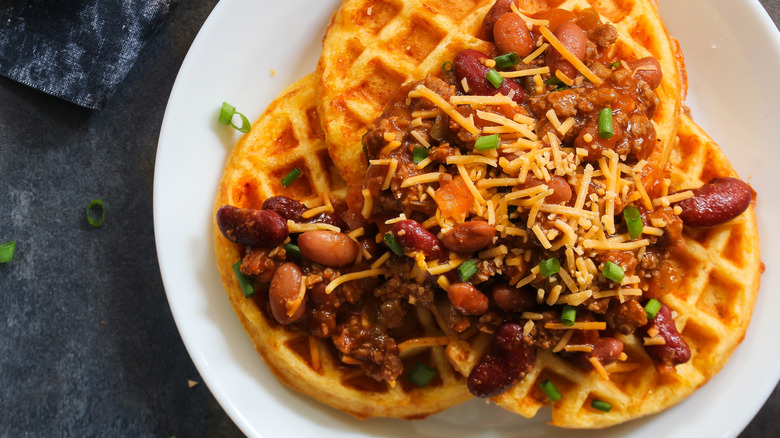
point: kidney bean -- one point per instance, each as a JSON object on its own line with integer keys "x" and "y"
{"x": 717, "y": 202}
{"x": 328, "y": 248}
{"x": 675, "y": 350}
{"x": 513, "y": 356}
{"x": 606, "y": 350}
{"x": 412, "y": 236}
{"x": 468, "y": 237}
{"x": 285, "y": 287}
{"x": 288, "y": 208}
{"x": 512, "y": 299}
{"x": 561, "y": 188}
{"x": 574, "y": 39}
{"x": 649, "y": 70}
{"x": 467, "y": 299}
{"x": 369, "y": 244}
{"x": 258, "y": 228}
{"x": 512, "y": 35}
{"x": 330, "y": 219}
{"x": 499, "y": 8}
{"x": 467, "y": 65}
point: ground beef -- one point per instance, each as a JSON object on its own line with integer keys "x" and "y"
{"x": 546, "y": 338}
{"x": 257, "y": 265}
{"x": 370, "y": 344}
{"x": 625, "y": 317}
{"x": 603, "y": 35}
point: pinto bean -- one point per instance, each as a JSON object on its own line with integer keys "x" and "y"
{"x": 248, "y": 227}
{"x": 512, "y": 299}
{"x": 513, "y": 356}
{"x": 675, "y": 350}
{"x": 561, "y": 189}
{"x": 717, "y": 202}
{"x": 413, "y": 237}
{"x": 288, "y": 208}
{"x": 468, "y": 237}
{"x": 649, "y": 70}
{"x": 512, "y": 35}
{"x": 468, "y": 66}
{"x": 597, "y": 145}
{"x": 499, "y": 8}
{"x": 328, "y": 248}
{"x": 467, "y": 299}
{"x": 574, "y": 39}
{"x": 285, "y": 286}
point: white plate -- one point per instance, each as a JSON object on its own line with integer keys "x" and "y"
{"x": 733, "y": 54}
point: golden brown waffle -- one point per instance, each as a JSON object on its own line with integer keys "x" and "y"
{"x": 372, "y": 47}
{"x": 288, "y": 135}
{"x": 714, "y": 304}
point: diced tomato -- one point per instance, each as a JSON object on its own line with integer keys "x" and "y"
{"x": 454, "y": 199}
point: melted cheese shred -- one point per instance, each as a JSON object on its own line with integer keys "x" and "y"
{"x": 567, "y": 55}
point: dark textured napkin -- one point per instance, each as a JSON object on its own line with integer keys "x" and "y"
{"x": 78, "y": 50}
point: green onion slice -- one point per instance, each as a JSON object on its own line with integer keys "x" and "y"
{"x": 613, "y": 272}
{"x": 467, "y": 270}
{"x": 601, "y": 405}
{"x": 549, "y": 267}
{"x": 293, "y": 251}
{"x": 507, "y": 60}
{"x": 290, "y": 177}
{"x": 652, "y": 307}
{"x": 393, "y": 244}
{"x": 421, "y": 374}
{"x": 568, "y": 315}
{"x": 97, "y": 204}
{"x": 486, "y": 142}
{"x": 615, "y": 65}
{"x": 549, "y": 389}
{"x": 605, "y": 123}
{"x": 226, "y": 117}
{"x": 553, "y": 81}
{"x": 494, "y": 78}
{"x": 633, "y": 221}
{"x": 419, "y": 153}
{"x": 7, "y": 251}
{"x": 446, "y": 67}
{"x": 246, "y": 285}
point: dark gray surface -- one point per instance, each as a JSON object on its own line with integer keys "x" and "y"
{"x": 88, "y": 346}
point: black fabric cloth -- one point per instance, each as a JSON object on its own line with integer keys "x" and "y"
{"x": 78, "y": 50}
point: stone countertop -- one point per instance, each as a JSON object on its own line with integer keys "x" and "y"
{"x": 88, "y": 346}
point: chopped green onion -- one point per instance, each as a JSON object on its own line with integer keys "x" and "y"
{"x": 549, "y": 267}
{"x": 97, "y": 204}
{"x": 563, "y": 87}
{"x": 486, "y": 142}
{"x": 246, "y": 285}
{"x": 605, "y": 123}
{"x": 7, "y": 251}
{"x": 652, "y": 307}
{"x": 615, "y": 65}
{"x": 290, "y": 177}
{"x": 421, "y": 374}
{"x": 507, "y": 60}
{"x": 601, "y": 405}
{"x": 633, "y": 221}
{"x": 549, "y": 389}
{"x": 613, "y": 272}
{"x": 553, "y": 81}
{"x": 446, "y": 67}
{"x": 467, "y": 270}
{"x": 494, "y": 78}
{"x": 226, "y": 117}
{"x": 419, "y": 153}
{"x": 393, "y": 244}
{"x": 568, "y": 315}
{"x": 293, "y": 251}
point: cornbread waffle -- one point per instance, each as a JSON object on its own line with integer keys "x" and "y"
{"x": 714, "y": 303}
{"x": 288, "y": 135}
{"x": 372, "y": 47}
